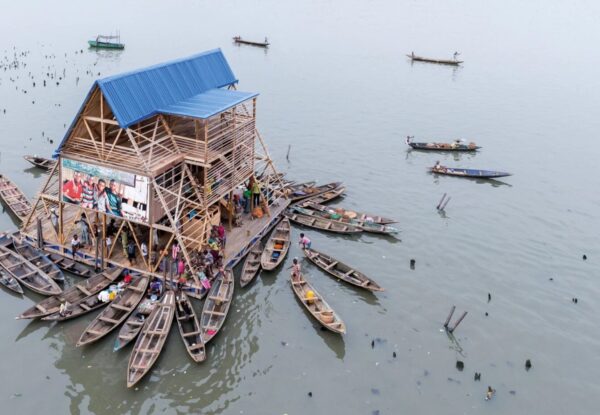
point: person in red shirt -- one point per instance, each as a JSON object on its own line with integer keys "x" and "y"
{"x": 73, "y": 189}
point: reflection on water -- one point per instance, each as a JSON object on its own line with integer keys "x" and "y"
{"x": 341, "y": 93}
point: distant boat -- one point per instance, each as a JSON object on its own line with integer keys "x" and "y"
{"x": 239, "y": 40}
{"x": 41, "y": 162}
{"x": 107, "y": 42}
{"x": 416, "y": 58}
{"x": 480, "y": 174}
{"x": 456, "y": 146}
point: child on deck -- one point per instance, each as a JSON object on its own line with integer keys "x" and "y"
{"x": 296, "y": 270}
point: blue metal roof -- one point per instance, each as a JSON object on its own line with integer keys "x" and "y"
{"x": 137, "y": 95}
{"x": 187, "y": 87}
{"x": 208, "y": 103}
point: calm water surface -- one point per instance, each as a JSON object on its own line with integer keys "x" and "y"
{"x": 336, "y": 86}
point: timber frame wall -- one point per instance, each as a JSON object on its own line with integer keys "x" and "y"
{"x": 191, "y": 165}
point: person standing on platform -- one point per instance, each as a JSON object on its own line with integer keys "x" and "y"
{"x": 74, "y": 245}
{"x": 131, "y": 253}
{"x": 85, "y": 232}
{"x": 256, "y": 193}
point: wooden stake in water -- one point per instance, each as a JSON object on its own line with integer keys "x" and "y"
{"x": 449, "y": 316}
{"x": 287, "y": 156}
{"x": 441, "y": 201}
{"x": 458, "y": 322}
{"x": 445, "y": 203}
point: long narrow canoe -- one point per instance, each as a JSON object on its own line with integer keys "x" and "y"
{"x": 134, "y": 323}
{"x": 14, "y": 198}
{"x": 239, "y": 40}
{"x": 41, "y": 162}
{"x": 325, "y": 197}
{"x": 277, "y": 246}
{"x": 341, "y": 271}
{"x": 311, "y": 191}
{"x": 346, "y": 213}
{"x": 189, "y": 327}
{"x": 480, "y": 174}
{"x": 38, "y": 258}
{"x": 116, "y": 312}
{"x": 151, "y": 340}
{"x": 439, "y": 61}
{"x": 216, "y": 305}
{"x": 9, "y": 281}
{"x": 27, "y": 273}
{"x": 74, "y": 267}
{"x": 78, "y": 309}
{"x": 129, "y": 330}
{"x": 444, "y": 146}
{"x": 316, "y": 305}
{"x": 323, "y": 224}
{"x": 252, "y": 263}
{"x": 73, "y": 295}
{"x": 362, "y": 224}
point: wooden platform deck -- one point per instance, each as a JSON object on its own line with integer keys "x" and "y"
{"x": 239, "y": 239}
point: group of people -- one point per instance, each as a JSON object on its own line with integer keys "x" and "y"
{"x": 93, "y": 193}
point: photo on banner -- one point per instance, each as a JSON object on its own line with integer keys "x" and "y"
{"x": 106, "y": 190}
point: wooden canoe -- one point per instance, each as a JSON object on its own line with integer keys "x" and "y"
{"x": 74, "y": 267}
{"x": 134, "y": 323}
{"x": 129, "y": 330}
{"x": 88, "y": 304}
{"x": 151, "y": 340}
{"x": 277, "y": 246}
{"x": 239, "y": 40}
{"x": 14, "y": 198}
{"x": 116, "y": 312}
{"x": 73, "y": 295}
{"x": 444, "y": 146}
{"x": 317, "y": 306}
{"x": 251, "y": 263}
{"x": 439, "y": 61}
{"x": 364, "y": 225}
{"x": 38, "y": 258}
{"x": 189, "y": 327}
{"x": 326, "y": 197}
{"x": 474, "y": 173}
{"x": 216, "y": 305}
{"x": 27, "y": 273}
{"x": 350, "y": 214}
{"x": 341, "y": 271}
{"x": 297, "y": 187}
{"x": 9, "y": 281}
{"x": 323, "y": 224}
{"x": 304, "y": 192}
{"x": 41, "y": 162}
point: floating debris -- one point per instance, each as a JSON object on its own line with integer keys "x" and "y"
{"x": 460, "y": 365}
{"x": 527, "y": 364}
{"x": 477, "y": 376}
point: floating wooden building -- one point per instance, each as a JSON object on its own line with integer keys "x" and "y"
{"x": 157, "y": 152}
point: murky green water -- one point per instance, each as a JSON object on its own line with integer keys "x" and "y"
{"x": 335, "y": 85}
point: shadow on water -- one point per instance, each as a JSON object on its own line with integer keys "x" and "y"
{"x": 36, "y": 172}
{"x": 334, "y": 341}
{"x": 30, "y": 328}
{"x": 454, "y": 344}
{"x": 455, "y": 155}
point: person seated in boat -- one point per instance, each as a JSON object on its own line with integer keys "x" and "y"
{"x": 155, "y": 287}
{"x": 63, "y": 310}
{"x": 455, "y": 55}
{"x": 304, "y": 242}
{"x": 408, "y": 137}
{"x": 127, "y": 278}
{"x": 438, "y": 167}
